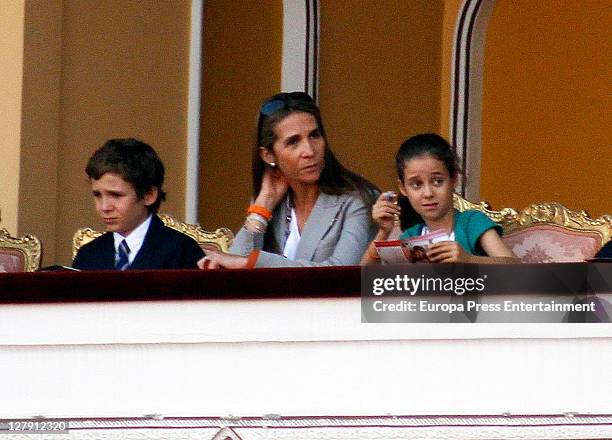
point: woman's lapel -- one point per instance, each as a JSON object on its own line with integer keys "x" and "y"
{"x": 322, "y": 217}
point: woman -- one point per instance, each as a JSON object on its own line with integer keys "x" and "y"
{"x": 308, "y": 209}
{"x": 427, "y": 175}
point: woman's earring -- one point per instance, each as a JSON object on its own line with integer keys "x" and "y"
{"x": 272, "y": 164}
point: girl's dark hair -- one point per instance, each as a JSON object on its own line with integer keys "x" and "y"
{"x": 335, "y": 178}
{"x": 426, "y": 144}
{"x": 416, "y": 146}
{"x": 408, "y": 216}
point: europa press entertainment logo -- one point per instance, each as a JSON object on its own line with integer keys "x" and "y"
{"x": 472, "y": 293}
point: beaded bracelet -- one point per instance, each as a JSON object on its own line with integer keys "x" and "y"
{"x": 255, "y": 225}
{"x": 258, "y": 218}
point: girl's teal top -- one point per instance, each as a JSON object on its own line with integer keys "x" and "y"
{"x": 468, "y": 227}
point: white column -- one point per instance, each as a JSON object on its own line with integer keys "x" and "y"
{"x": 300, "y": 46}
{"x": 192, "y": 180}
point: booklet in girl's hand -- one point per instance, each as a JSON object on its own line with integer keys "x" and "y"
{"x": 409, "y": 250}
{"x": 418, "y": 246}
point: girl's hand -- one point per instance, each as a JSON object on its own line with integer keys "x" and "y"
{"x": 384, "y": 213}
{"x": 216, "y": 259}
{"x": 447, "y": 252}
{"x": 274, "y": 186}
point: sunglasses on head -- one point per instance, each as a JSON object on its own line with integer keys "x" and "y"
{"x": 279, "y": 101}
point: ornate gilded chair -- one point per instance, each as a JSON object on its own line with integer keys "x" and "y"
{"x": 221, "y": 238}
{"x": 547, "y": 232}
{"x": 19, "y": 254}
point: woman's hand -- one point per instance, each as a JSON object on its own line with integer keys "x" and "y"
{"x": 216, "y": 259}
{"x": 447, "y": 252}
{"x": 384, "y": 213}
{"x": 274, "y": 186}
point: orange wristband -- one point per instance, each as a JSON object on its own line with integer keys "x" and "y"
{"x": 256, "y": 209}
{"x": 253, "y": 256}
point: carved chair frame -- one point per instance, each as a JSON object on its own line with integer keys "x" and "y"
{"x": 542, "y": 214}
{"x": 221, "y": 238}
{"x": 28, "y": 245}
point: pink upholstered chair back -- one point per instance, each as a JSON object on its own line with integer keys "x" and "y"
{"x": 19, "y": 254}
{"x": 551, "y": 243}
{"x": 547, "y": 232}
{"x": 11, "y": 260}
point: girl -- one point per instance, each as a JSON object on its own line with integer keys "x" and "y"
{"x": 427, "y": 171}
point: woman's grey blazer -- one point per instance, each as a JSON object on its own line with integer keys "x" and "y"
{"x": 336, "y": 233}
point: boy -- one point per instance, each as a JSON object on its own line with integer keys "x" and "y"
{"x": 126, "y": 178}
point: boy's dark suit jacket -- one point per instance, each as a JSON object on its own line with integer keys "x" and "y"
{"x": 163, "y": 248}
{"x": 605, "y": 251}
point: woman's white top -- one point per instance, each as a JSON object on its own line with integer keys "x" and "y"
{"x": 293, "y": 239}
{"x": 448, "y": 237}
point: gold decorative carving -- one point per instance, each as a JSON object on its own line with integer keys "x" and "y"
{"x": 82, "y": 237}
{"x": 221, "y": 238}
{"x": 502, "y": 217}
{"x": 542, "y": 214}
{"x": 27, "y": 245}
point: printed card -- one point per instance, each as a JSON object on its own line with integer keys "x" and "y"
{"x": 409, "y": 250}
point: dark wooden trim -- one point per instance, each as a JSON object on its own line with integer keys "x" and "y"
{"x": 468, "y": 30}
{"x": 456, "y": 78}
{"x": 307, "y": 51}
{"x": 315, "y": 49}
{"x": 299, "y": 282}
{"x": 70, "y": 286}
{"x": 466, "y": 95}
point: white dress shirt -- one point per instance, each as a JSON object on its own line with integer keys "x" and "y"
{"x": 293, "y": 240}
{"x": 134, "y": 239}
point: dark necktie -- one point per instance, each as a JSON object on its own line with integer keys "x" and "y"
{"x": 122, "y": 262}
